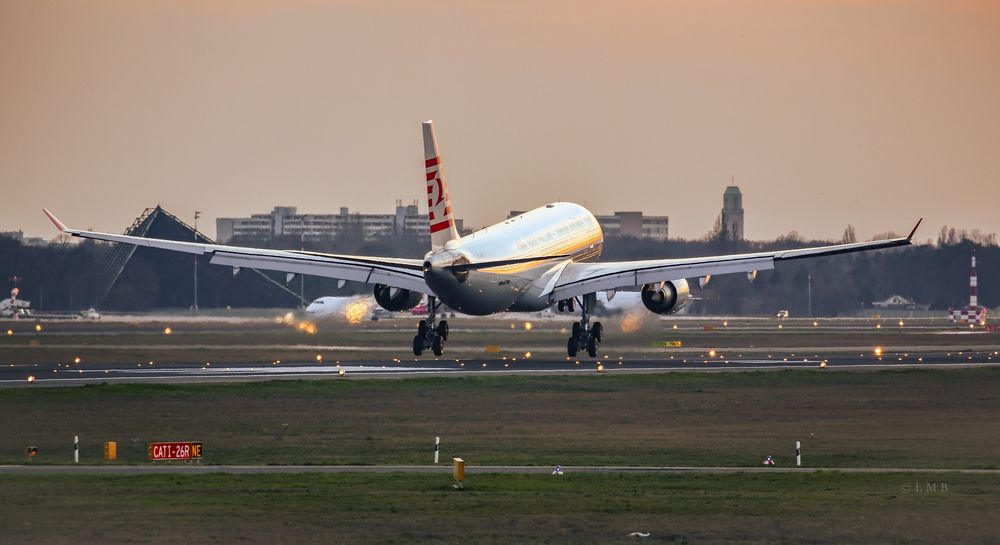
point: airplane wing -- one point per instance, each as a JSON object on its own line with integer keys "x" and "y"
{"x": 398, "y": 273}
{"x": 577, "y": 279}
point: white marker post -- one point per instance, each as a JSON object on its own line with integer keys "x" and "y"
{"x": 798, "y": 453}
{"x": 76, "y": 449}
{"x": 437, "y": 448}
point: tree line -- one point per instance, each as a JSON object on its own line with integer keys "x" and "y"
{"x": 65, "y": 276}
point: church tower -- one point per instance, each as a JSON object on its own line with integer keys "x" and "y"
{"x": 732, "y": 213}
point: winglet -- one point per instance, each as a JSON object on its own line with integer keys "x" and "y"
{"x": 910, "y": 236}
{"x": 55, "y": 221}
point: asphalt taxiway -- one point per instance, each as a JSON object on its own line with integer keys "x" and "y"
{"x": 197, "y": 469}
{"x": 36, "y": 375}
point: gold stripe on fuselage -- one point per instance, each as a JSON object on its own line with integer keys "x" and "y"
{"x": 577, "y": 250}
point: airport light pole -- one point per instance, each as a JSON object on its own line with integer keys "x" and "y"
{"x": 302, "y": 277}
{"x": 197, "y": 214}
{"x": 810, "y": 295}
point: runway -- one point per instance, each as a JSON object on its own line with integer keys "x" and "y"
{"x": 209, "y": 350}
{"x": 197, "y": 469}
{"x": 70, "y": 374}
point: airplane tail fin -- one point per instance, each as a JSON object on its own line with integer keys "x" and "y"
{"x": 439, "y": 212}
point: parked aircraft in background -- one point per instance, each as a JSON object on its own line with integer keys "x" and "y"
{"x": 353, "y": 308}
{"x": 539, "y": 259}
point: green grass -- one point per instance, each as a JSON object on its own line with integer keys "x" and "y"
{"x": 915, "y": 418}
{"x": 591, "y": 508}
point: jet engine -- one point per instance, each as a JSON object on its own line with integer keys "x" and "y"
{"x": 666, "y": 297}
{"x": 396, "y": 299}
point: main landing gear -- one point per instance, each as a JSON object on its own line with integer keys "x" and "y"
{"x": 431, "y": 334}
{"x": 584, "y": 337}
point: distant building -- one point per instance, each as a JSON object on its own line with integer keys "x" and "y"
{"x": 898, "y": 302}
{"x": 12, "y": 307}
{"x": 139, "y": 278}
{"x": 26, "y": 241}
{"x": 287, "y": 221}
{"x": 632, "y": 224}
{"x": 732, "y": 213}
{"x": 16, "y": 235}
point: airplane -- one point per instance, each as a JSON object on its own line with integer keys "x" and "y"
{"x": 353, "y": 307}
{"x": 542, "y": 258}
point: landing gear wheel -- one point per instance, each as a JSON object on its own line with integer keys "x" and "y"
{"x": 592, "y": 346}
{"x": 597, "y": 331}
{"x": 438, "y": 345}
{"x": 576, "y": 330}
{"x": 561, "y": 306}
{"x": 571, "y": 305}
{"x": 571, "y": 347}
{"x": 422, "y": 328}
{"x": 418, "y": 345}
{"x": 443, "y": 330}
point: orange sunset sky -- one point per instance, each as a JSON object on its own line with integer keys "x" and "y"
{"x": 826, "y": 112}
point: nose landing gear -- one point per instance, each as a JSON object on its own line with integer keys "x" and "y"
{"x": 431, "y": 334}
{"x": 584, "y": 336}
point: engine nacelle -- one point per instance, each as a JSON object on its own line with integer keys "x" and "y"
{"x": 673, "y": 296}
{"x": 396, "y": 299}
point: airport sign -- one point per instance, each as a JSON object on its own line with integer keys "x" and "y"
{"x": 183, "y": 450}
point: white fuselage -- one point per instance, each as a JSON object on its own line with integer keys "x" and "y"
{"x": 336, "y": 306}
{"x": 557, "y": 229}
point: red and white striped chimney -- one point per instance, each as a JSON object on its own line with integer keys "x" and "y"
{"x": 973, "y": 300}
